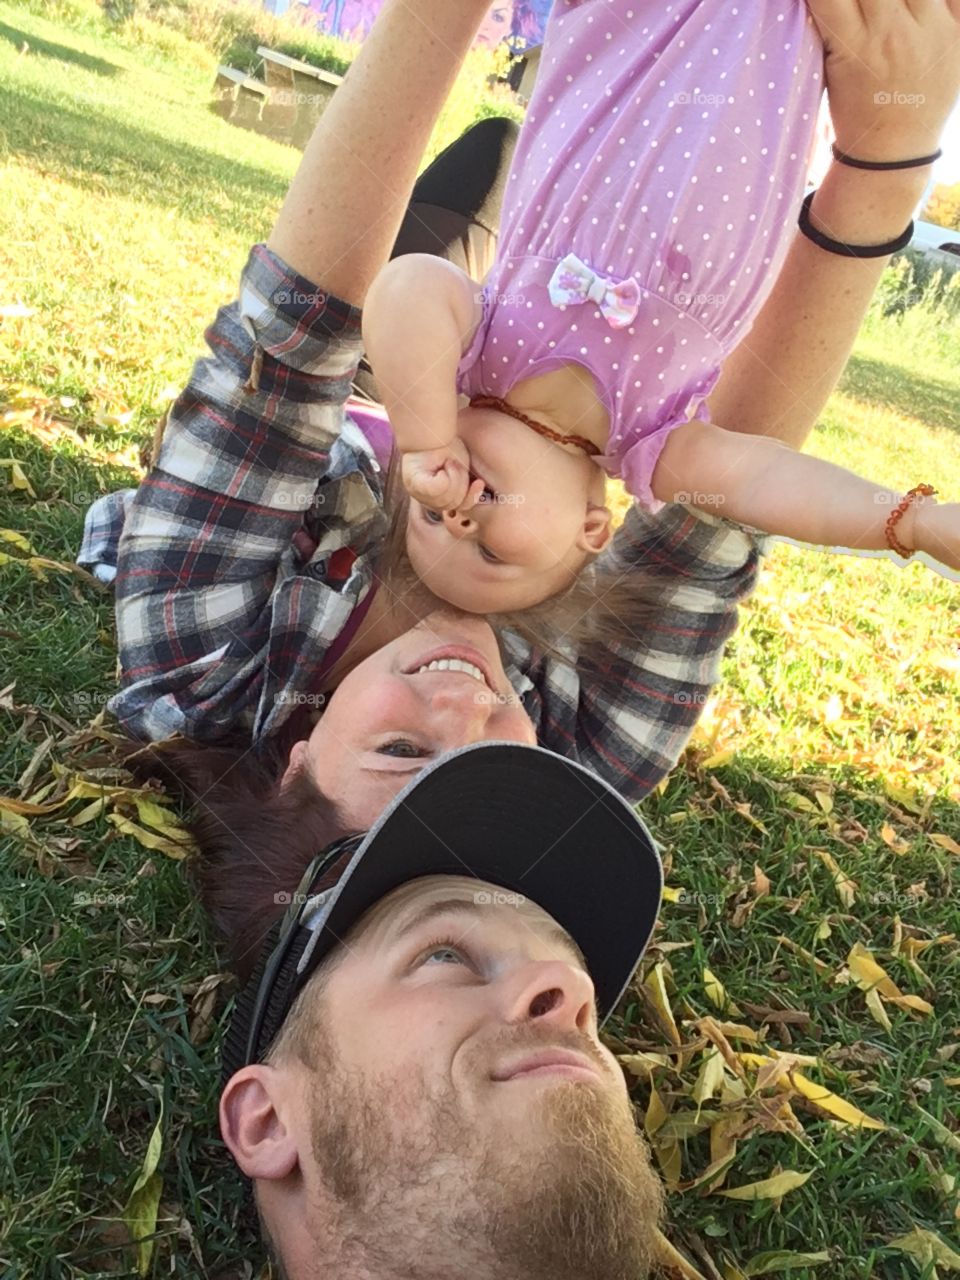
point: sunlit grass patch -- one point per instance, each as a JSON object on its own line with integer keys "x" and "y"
{"x": 810, "y": 833}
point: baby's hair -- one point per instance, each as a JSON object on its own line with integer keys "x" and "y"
{"x": 606, "y": 604}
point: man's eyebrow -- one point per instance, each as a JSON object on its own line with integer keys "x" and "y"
{"x": 457, "y": 906}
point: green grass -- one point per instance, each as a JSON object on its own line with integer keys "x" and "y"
{"x": 128, "y": 211}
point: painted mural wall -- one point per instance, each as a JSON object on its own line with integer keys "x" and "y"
{"x": 519, "y": 21}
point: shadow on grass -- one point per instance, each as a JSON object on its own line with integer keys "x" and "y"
{"x": 61, "y": 52}
{"x": 891, "y": 386}
{"x": 97, "y": 150}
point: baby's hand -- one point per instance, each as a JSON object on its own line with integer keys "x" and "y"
{"x": 937, "y": 532}
{"x": 440, "y": 478}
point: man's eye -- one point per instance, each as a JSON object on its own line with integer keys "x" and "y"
{"x": 448, "y": 949}
{"x": 402, "y": 748}
{"x": 488, "y": 555}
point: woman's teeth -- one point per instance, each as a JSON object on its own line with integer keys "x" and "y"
{"x": 454, "y": 664}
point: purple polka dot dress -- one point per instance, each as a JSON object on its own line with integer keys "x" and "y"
{"x": 653, "y": 197}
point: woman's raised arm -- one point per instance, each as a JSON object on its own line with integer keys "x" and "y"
{"x": 892, "y": 72}
{"x": 345, "y": 205}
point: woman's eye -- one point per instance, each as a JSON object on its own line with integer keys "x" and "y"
{"x": 488, "y": 495}
{"x": 488, "y": 555}
{"x": 448, "y": 951}
{"x": 432, "y": 517}
{"x": 402, "y": 749}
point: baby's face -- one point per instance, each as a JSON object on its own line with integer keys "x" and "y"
{"x": 528, "y": 537}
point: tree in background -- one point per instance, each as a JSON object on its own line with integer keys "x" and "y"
{"x": 943, "y": 208}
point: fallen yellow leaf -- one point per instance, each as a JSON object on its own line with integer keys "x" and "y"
{"x": 717, "y": 995}
{"x": 18, "y": 540}
{"x": 845, "y": 887}
{"x": 656, "y": 1113}
{"x": 946, "y": 842}
{"x": 656, "y": 989}
{"x": 149, "y": 839}
{"x": 673, "y": 1262}
{"x": 18, "y": 479}
{"x": 709, "y": 1082}
{"x": 867, "y": 973}
{"x": 829, "y": 1102}
{"x": 769, "y": 1188}
{"x": 777, "y": 1261}
{"x": 875, "y": 1005}
{"x": 927, "y": 1248}
{"x": 643, "y": 1064}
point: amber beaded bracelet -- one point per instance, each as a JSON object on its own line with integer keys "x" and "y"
{"x": 893, "y": 542}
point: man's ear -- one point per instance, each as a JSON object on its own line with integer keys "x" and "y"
{"x": 597, "y": 530}
{"x": 259, "y": 1140}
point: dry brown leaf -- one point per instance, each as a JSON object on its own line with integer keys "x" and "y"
{"x": 712, "y": 1030}
{"x": 947, "y": 843}
{"x": 892, "y": 840}
{"x": 804, "y": 954}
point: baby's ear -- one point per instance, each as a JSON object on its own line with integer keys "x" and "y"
{"x": 597, "y": 530}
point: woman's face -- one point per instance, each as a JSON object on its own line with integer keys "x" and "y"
{"x": 496, "y": 25}
{"x": 402, "y": 708}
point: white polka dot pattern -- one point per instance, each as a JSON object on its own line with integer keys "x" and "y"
{"x": 662, "y": 142}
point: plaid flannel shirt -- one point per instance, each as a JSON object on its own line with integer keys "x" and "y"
{"x": 225, "y": 614}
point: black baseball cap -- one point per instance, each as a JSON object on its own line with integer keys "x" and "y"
{"x": 521, "y": 818}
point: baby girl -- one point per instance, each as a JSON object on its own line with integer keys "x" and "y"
{"x": 652, "y": 201}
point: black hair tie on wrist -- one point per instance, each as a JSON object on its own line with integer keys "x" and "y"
{"x": 849, "y": 250}
{"x": 884, "y": 166}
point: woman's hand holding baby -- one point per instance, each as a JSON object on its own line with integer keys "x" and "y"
{"x": 892, "y": 71}
{"x": 440, "y": 478}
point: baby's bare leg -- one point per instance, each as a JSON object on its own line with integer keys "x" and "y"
{"x": 347, "y": 200}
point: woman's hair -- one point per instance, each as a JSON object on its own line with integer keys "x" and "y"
{"x": 603, "y": 606}
{"x": 528, "y": 21}
{"x": 255, "y": 838}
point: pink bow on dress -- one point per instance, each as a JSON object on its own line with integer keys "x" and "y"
{"x": 573, "y": 283}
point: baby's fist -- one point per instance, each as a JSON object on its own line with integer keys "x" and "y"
{"x": 438, "y": 478}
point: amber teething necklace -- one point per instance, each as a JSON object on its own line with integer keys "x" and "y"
{"x": 579, "y": 442}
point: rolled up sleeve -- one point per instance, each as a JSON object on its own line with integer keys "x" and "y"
{"x": 205, "y": 561}
{"x": 628, "y": 711}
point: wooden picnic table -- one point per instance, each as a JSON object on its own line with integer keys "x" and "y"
{"x": 298, "y": 93}
{"x": 240, "y": 98}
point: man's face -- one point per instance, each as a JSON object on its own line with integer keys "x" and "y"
{"x": 463, "y": 1113}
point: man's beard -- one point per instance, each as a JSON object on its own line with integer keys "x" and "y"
{"x": 416, "y": 1191}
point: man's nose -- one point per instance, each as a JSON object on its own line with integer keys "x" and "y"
{"x": 460, "y": 524}
{"x": 556, "y": 995}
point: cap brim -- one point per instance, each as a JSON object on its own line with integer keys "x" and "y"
{"x": 529, "y": 822}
